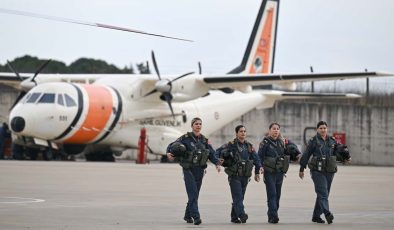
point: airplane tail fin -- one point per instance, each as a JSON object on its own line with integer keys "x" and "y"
{"x": 260, "y": 51}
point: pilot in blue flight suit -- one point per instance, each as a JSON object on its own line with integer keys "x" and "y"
{"x": 275, "y": 154}
{"x": 4, "y": 135}
{"x": 239, "y": 157}
{"x": 192, "y": 150}
{"x": 321, "y": 160}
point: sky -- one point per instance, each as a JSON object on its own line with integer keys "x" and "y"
{"x": 331, "y": 36}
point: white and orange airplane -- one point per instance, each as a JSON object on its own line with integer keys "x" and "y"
{"x": 110, "y": 110}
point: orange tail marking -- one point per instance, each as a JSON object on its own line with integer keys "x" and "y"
{"x": 261, "y": 59}
{"x": 100, "y": 109}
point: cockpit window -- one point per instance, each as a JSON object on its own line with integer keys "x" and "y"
{"x": 69, "y": 101}
{"x": 25, "y": 98}
{"x": 60, "y": 100}
{"x": 47, "y": 98}
{"x": 33, "y": 98}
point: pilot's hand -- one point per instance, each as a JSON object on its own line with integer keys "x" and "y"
{"x": 218, "y": 168}
{"x": 347, "y": 162}
{"x": 261, "y": 170}
{"x": 170, "y": 156}
{"x": 257, "y": 177}
{"x": 301, "y": 175}
{"x": 221, "y": 161}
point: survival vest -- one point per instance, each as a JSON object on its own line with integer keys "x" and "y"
{"x": 324, "y": 162}
{"x": 198, "y": 155}
{"x": 233, "y": 163}
{"x": 279, "y": 163}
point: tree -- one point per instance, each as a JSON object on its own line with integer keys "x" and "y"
{"x": 143, "y": 69}
{"x": 30, "y": 64}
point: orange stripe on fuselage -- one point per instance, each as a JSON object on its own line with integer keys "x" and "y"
{"x": 264, "y": 46}
{"x": 99, "y": 112}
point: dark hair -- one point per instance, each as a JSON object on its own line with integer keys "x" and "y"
{"x": 274, "y": 123}
{"x": 321, "y": 123}
{"x": 238, "y": 127}
{"x": 195, "y": 119}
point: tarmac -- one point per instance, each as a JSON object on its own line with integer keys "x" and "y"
{"x": 123, "y": 195}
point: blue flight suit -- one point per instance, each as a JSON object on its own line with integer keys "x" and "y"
{"x": 273, "y": 180}
{"x": 193, "y": 176}
{"x": 2, "y": 140}
{"x": 318, "y": 147}
{"x": 4, "y": 135}
{"x": 238, "y": 184}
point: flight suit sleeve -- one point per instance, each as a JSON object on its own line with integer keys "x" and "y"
{"x": 307, "y": 154}
{"x": 256, "y": 162}
{"x": 262, "y": 150}
{"x": 212, "y": 155}
{"x": 218, "y": 151}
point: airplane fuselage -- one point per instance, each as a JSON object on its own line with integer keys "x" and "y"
{"x": 73, "y": 113}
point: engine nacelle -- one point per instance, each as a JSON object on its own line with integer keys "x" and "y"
{"x": 188, "y": 88}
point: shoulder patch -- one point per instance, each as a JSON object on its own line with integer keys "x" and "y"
{"x": 263, "y": 142}
{"x": 184, "y": 136}
{"x": 250, "y": 147}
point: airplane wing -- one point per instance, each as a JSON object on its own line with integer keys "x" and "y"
{"x": 237, "y": 80}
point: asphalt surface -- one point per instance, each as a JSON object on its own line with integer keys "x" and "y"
{"x": 123, "y": 195}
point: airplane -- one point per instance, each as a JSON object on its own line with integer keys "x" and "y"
{"x": 80, "y": 111}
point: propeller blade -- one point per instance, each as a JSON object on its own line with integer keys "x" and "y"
{"x": 39, "y": 70}
{"x": 14, "y": 70}
{"x": 151, "y": 92}
{"x": 199, "y": 68}
{"x": 155, "y": 65}
{"x": 168, "y": 97}
{"x": 184, "y": 75}
{"x": 100, "y": 25}
{"x": 21, "y": 94}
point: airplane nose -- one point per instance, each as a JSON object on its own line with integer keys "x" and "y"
{"x": 17, "y": 124}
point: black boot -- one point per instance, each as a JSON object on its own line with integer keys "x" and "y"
{"x": 188, "y": 219}
{"x": 318, "y": 220}
{"x": 329, "y": 218}
{"x": 197, "y": 221}
{"x": 273, "y": 220}
{"x": 243, "y": 218}
{"x": 235, "y": 220}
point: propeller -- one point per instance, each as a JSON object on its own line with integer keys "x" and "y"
{"x": 164, "y": 85}
{"x": 85, "y": 23}
{"x": 39, "y": 70}
{"x": 199, "y": 68}
{"x": 23, "y": 90}
{"x": 13, "y": 70}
